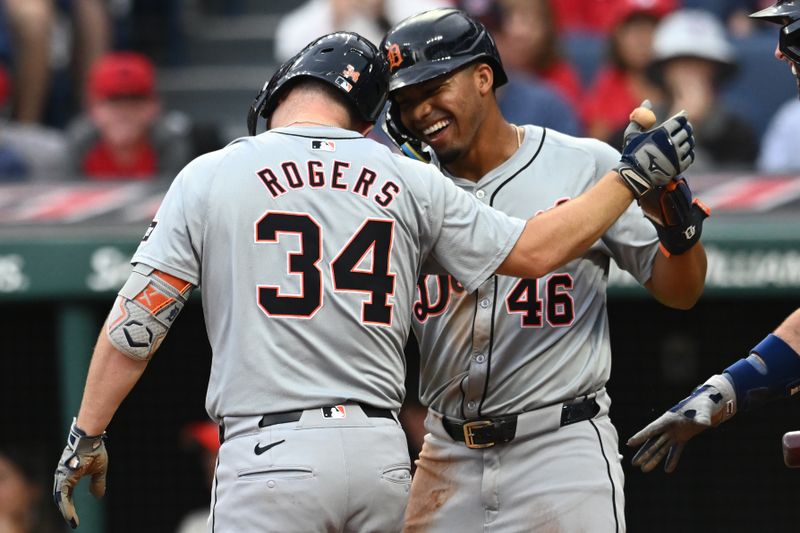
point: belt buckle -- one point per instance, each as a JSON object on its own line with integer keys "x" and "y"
{"x": 469, "y": 436}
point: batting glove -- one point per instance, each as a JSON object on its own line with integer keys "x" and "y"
{"x": 83, "y": 455}
{"x": 709, "y": 405}
{"x": 654, "y": 157}
{"x": 678, "y": 218}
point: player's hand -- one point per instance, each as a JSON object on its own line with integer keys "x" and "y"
{"x": 654, "y": 157}
{"x": 83, "y": 456}
{"x": 709, "y": 405}
{"x": 677, "y": 217}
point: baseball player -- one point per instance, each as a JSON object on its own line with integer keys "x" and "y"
{"x": 771, "y": 370}
{"x": 514, "y": 372}
{"x": 307, "y": 241}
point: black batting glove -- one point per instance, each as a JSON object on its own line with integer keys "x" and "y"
{"x": 677, "y": 217}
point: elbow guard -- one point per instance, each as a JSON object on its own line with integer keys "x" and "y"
{"x": 145, "y": 308}
{"x": 770, "y": 372}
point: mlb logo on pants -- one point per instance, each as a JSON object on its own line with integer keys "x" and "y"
{"x": 333, "y": 411}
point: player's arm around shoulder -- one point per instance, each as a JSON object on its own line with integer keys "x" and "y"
{"x": 563, "y": 233}
{"x": 558, "y": 235}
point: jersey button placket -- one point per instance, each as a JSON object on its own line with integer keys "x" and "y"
{"x": 480, "y": 349}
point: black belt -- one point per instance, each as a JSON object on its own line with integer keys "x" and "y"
{"x": 484, "y": 433}
{"x": 294, "y": 416}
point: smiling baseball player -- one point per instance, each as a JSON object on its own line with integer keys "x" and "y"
{"x": 514, "y": 373}
{"x": 307, "y": 241}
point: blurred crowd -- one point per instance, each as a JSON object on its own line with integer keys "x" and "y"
{"x": 80, "y": 101}
{"x": 79, "y": 94}
{"x": 25, "y": 502}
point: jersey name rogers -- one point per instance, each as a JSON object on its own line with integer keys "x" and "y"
{"x": 314, "y": 174}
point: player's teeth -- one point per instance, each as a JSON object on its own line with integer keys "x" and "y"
{"x": 435, "y": 127}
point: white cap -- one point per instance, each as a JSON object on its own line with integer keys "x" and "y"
{"x": 692, "y": 33}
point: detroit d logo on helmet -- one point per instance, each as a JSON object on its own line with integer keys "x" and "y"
{"x": 394, "y": 56}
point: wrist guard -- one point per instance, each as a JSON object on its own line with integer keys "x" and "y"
{"x": 770, "y": 372}
{"x": 677, "y": 218}
{"x": 145, "y": 309}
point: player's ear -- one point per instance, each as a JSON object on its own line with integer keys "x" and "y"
{"x": 484, "y": 78}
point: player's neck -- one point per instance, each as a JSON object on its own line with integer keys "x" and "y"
{"x": 494, "y": 143}
{"x": 309, "y": 111}
{"x": 309, "y": 120}
{"x": 311, "y": 123}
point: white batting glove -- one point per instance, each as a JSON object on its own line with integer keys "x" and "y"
{"x": 709, "y": 405}
{"x": 653, "y": 157}
{"x": 83, "y": 456}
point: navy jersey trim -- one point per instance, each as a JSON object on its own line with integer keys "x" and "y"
{"x": 335, "y": 138}
{"x": 610, "y": 478}
{"x": 214, "y": 508}
{"x": 494, "y": 277}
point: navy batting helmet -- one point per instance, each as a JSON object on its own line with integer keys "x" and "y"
{"x": 787, "y": 14}
{"x": 437, "y": 42}
{"x": 346, "y": 61}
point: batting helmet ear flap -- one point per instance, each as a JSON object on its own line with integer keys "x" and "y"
{"x": 399, "y": 134}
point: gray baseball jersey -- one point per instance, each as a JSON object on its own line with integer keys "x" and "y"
{"x": 307, "y": 243}
{"x": 526, "y": 348}
{"x": 515, "y": 345}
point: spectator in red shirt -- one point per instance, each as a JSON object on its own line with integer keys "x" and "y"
{"x": 528, "y": 42}
{"x": 622, "y": 84}
{"x": 579, "y": 16}
{"x": 124, "y": 134}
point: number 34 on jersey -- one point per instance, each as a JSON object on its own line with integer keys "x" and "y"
{"x": 373, "y": 238}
